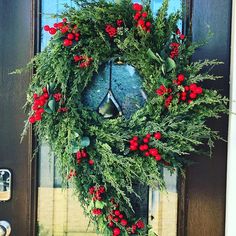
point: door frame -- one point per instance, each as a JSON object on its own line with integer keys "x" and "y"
{"x": 230, "y": 226}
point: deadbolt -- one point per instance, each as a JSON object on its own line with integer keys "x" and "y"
{"x": 5, "y": 228}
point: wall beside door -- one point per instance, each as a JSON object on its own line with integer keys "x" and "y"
{"x": 16, "y": 48}
{"x": 206, "y": 179}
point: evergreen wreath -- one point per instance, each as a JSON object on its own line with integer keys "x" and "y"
{"x": 103, "y": 157}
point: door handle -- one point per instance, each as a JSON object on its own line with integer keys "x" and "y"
{"x": 5, "y": 228}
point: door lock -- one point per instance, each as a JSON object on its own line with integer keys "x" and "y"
{"x": 5, "y": 185}
{"x": 5, "y": 228}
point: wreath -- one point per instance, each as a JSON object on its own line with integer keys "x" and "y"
{"x": 101, "y": 152}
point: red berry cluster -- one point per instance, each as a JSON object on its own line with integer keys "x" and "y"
{"x": 141, "y": 18}
{"x": 57, "y": 97}
{"x": 71, "y": 174}
{"x": 97, "y": 192}
{"x": 161, "y": 91}
{"x": 111, "y": 30}
{"x": 142, "y": 145}
{"x": 174, "y": 46}
{"x": 84, "y": 61}
{"x": 97, "y": 211}
{"x": 80, "y": 155}
{"x": 71, "y": 33}
{"x": 180, "y": 79}
{"x": 119, "y": 22}
{"x": 181, "y": 36}
{"x": 116, "y": 217}
{"x": 174, "y": 50}
{"x": 190, "y": 93}
{"x": 39, "y": 102}
{"x": 139, "y": 225}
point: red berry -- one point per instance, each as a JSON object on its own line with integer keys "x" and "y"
{"x": 116, "y": 219}
{"x": 144, "y": 14}
{"x": 123, "y": 222}
{"x": 91, "y": 162}
{"x": 111, "y": 224}
{"x": 180, "y": 77}
{"x": 76, "y": 58}
{"x": 183, "y": 98}
{"x": 157, "y": 135}
{"x": 133, "y": 148}
{"x": 70, "y": 36}
{"x": 64, "y": 30}
{"x": 34, "y": 107}
{"x": 182, "y": 37}
{"x": 38, "y": 117}
{"x": 46, "y": 95}
{"x": 76, "y": 38}
{"x": 52, "y": 31}
{"x": 134, "y": 227}
{"x": 158, "y": 157}
{"x": 137, "y": 7}
{"x": 135, "y": 138}
{"x": 192, "y": 95}
{"x": 141, "y": 22}
{"x": 67, "y": 42}
{"x": 45, "y": 90}
{"x": 140, "y": 224}
{"x": 199, "y": 90}
{"x": 186, "y": 88}
{"x": 35, "y": 96}
{"x": 146, "y": 140}
{"x": 148, "y": 24}
{"x": 193, "y": 87}
{"x": 46, "y": 27}
{"x": 40, "y": 110}
{"x": 153, "y": 152}
{"x": 121, "y": 216}
{"x": 64, "y": 20}
{"x": 117, "y": 212}
{"x": 148, "y": 136}
{"x": 116, "y": 231}
{"x": 147, "y": 154}
{"x": 78, "y": 155}
{"x": 32, "y": 120}
{"x": 55, "y": 25}
{"x": 137, "y": 16}
{"x": 84, "y": 154}
{"x": 42, "y": 103}
{"x": 143, "y": 147}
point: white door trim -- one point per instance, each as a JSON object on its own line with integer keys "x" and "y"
{"x": 230, "y": 224}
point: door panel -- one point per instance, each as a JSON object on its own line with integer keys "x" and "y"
{"x": 16, "y": 48}
{"x": 206, "y": 179}
{"x": 205, "y": 189}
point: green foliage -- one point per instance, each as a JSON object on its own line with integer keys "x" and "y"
{"x": 183, "y": 126}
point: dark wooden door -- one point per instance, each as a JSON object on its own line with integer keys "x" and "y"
{"x": 16, "y": 48}
{"x": 205, "y": 182}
